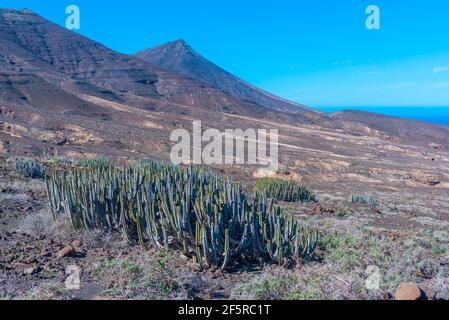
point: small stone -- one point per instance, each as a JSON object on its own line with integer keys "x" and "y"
{"x": 31, "y": 260}
{"x": 76, "y": 244}
{"x": 184, "y": 257}
{"x": 67, "y": 250}
{"x": 429, "y": 292}
{"x": 45, "y": 254}
{"x": 32, "y": 271}
{"x": 407, "y": 291}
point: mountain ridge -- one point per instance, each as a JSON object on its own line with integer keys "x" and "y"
{"x": 32, "y": 44}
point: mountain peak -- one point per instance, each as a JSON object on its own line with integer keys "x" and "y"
{"x": 179, "y": 47}
{"x": 180, "y": 42}
{"x": 178, "y": 56}
{"x": 28, "y": 11}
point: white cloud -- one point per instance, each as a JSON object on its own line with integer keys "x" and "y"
{"x": 440, "y": 69}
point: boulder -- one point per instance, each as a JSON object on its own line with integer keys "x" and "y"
{"x": 32, "y": 271}
{"x": 66, "y": 251}
{"x": 408, "y": 291}
{"x": 76, "y": 244}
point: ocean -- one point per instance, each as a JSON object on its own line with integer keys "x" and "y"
{"x": 439, "y": 115}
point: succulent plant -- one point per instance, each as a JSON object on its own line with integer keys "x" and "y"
{"x": 100, "y": 162}
{"x": 211, "y": 220}
{"x": 30, "y": 168}
{"x": 284, "y": 190}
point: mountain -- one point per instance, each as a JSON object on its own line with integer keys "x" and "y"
{"x": 32, "y": 45}
{"x": 179, "y": 57}
{"x": 386, "y": 127}
{"x": 59, "y": 89}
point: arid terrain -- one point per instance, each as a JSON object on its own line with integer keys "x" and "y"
{"x": 64, "y": 97}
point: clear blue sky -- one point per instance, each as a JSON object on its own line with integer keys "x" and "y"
{"x": 315, "y": 52}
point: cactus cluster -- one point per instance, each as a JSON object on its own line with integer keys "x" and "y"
{"x": 284, "y": 190}
{"x": 360, "y": 199}
{"x": 211, "y": 220}
{"x": 100, "y": 162}
{"x": 30, "y": 168}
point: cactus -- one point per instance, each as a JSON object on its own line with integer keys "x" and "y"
{"x": 30, "y": 168}
{"x": 284, "y": 190}
{"x": 211, "y": 220}
{"x": 364, "y": 200}
{"x": 100, "y": 162}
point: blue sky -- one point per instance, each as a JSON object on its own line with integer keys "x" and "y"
{"x": 315, "y": 52}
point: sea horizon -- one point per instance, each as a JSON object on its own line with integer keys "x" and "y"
{"x": 437, "y": 115}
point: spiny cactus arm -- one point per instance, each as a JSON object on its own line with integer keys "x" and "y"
{"x": 226, "y": 254}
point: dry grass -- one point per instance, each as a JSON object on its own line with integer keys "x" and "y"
{"x": 343, "y": 272}
{"x": 144, "y": 277}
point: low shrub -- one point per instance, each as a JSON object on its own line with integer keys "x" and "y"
{"x": 284, "y": 190}
{"x": 30, "y": 168}
{"x": 364, "y": 200}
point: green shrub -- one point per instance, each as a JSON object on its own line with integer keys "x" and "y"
{"x": 154, "y": 203}
{"x": 364, "y": 200}
{"x": 283, "y": 190}
{"x": 30, "y": 168}
{"x": 56, "y": 159}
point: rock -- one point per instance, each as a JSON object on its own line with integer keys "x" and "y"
{"x": 66, "y": 251}
{"x": 76, "y": 244}
{"x": 45, "y": 254}
{"x": 428, "y": 180}
{"x": 429, "y": 292}
{"x": 25, "y": 209}
{"x": 32, "y": 271}
{"x": 408, "y": 291}
{"x": 31, "y": 260}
